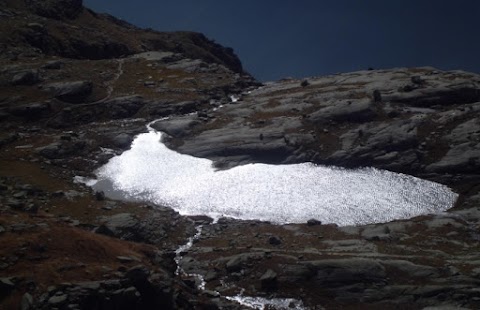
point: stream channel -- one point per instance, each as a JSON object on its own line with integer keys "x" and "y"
{"x": 281, "y": 194}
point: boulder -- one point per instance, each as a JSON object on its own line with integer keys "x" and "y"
{"x": 123, "y": 141}
{"x": 138, "y": 275}
{"x": 30, "y": 111}
{"x": 28, "y": 77}
{"x": 51, "y": 151}
{"x": 54, "y": 65}
{"x": 57, "y": 300}
{"x": 376, "y": 233}
{"x": 26, "y": 302}
{"x": 274, "y": 240}
{"x": 313, "y": 222}
{"x": 177, "y": 127}
{"x": 71, "y": 92}
{"x": 122, "y": 107}
{"x": 268, "y": 280}
{"x": 122, "y": 225}
{"x": 235, "y": 263}
{"x": 6, "y": 286}
{"x": 61, "y": 149}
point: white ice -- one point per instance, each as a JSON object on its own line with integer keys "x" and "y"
{"x": 151, "y": 172}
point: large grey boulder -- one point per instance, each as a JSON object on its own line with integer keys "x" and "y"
{"x": 30, "y": 111}
{"x": 127, "y": 226}
{"x": 177, "y": 127}
{"x": 122, "y": 107}
{"x": 72, "y": 92}
{"x": 123, "y": 140}
{"x": 122, "y": 225}
{"x": 28, "y": 77}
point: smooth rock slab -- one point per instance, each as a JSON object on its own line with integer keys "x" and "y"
{"x": 72, "y": 92}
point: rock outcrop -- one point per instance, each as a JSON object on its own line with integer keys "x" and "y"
{"x": 425, "y": 129}
{"x": 89, "y": 35}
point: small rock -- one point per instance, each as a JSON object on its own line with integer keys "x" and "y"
{"x": 137, "y": 274}
{"x": 211, "y": 275}
{"x": 100, "y": 196}
{"x": 123, "y": 141}
{"x": 377, "y": 96}
{"x": 27, "y": 302}
{"x": 131, "y": 293}
{"x": 93, "y": 286}
{"x": 269, "y": 280}
{"x": 21, "y": 194}
{"x": 274, "y": 240}
{"x": 313, "y": 222}
{"x": 36, "y": 26}
{"x": 72, "y": 92}
{"x": 417, "y": 80}
{"x": 304, "y": 83}
{"x": 58, "y": 194}
{"x": 6, "y": 285}
{"x": 54, "y": 65}
{"x": 234, "y": 264}
{"x": 15, "y": 203}
{"x": 125, "y": 259}
{"x": 29, "y": 77}
{"x": 57, "y": 300}
{"x": 211, "y": 294}
{"x": 30, "y": 111}
{"x": 51, "y": 151}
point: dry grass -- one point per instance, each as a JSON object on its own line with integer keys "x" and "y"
{"x": 61, "y": 253}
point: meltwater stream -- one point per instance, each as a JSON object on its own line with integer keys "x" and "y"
{"x": 295, "y": 193}
{"x": 151, "y": 172}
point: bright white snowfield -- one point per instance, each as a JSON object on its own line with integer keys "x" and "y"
{"x": 151, "y": 172}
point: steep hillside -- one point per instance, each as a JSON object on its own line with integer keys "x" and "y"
{"x": 65, "y": 28}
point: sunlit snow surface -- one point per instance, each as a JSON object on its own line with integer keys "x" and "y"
{"x": 151, "y": 172}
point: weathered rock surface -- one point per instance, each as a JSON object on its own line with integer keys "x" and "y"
{"x": 423, "y": 128}
{"x": 72, "y": 92}
{"x": 29, "y": 77}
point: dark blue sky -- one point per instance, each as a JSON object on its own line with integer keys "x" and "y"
{"x": 281, "y": 38}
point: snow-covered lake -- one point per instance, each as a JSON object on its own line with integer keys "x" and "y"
{"x": 151, "y": 172}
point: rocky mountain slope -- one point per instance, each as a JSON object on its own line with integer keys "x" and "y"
{"x": 77, "y": 86}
